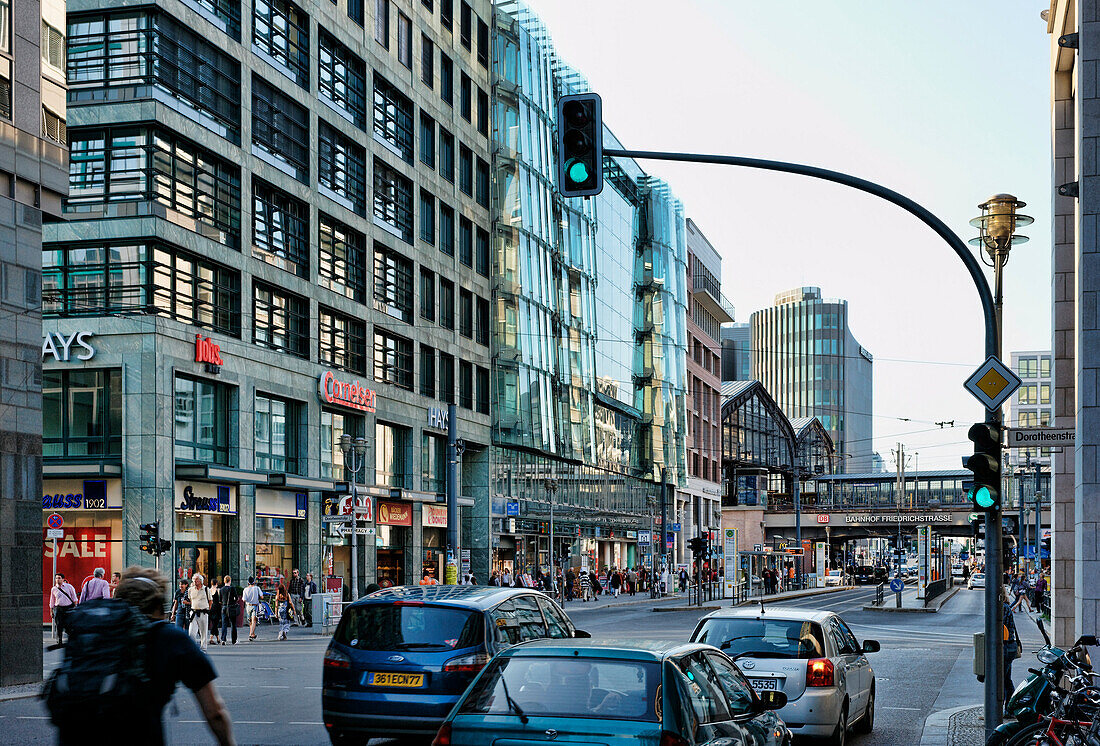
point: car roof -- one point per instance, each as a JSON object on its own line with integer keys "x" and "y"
{"x": 772, "y": 612}
{"x": 640, "y": 650}
{"x": 479, "y": 597}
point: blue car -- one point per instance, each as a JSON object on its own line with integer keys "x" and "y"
{"x": 589, "y": 693}
{"x": 400, "y": 658}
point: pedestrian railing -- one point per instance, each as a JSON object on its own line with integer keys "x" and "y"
{"x": 880, "y": 595}
{"x": 933, "y": 589}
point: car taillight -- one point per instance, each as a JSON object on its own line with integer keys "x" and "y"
{"x": 443, "y": 737}
{"x": 819, "y": 672}
{"x": 469, "y": 663}
{"x": 408, "y": 603}
{"x": 668, "y": 738}
{"x": 335, "y": 659}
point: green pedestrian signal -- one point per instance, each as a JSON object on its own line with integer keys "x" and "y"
{"x": 982, "y": 498}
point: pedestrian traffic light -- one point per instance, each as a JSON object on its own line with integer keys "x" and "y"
{"x": 163, "y": 546}
{"x": 698, "y": 545}
{"x": 150, "y": 538}
{"x": 985, "y": 493}
{"x": 580, "y": 145}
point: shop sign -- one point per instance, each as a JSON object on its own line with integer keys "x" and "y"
{"x": 822, "y": 517}
{"x": 438, "y": 418}
{"x": 62, "y": 348}
{"x": 205, "y": 498}
{"x": 351, "y": 394}
{"x": 90, "y": 494}
{"x": 364, "y": 506}
{"x": 209, "y": 354}
{"x": 280, "y": 504}
{"x": 632, "y": 534}
{"x": 434, "y": 516}
{"x": 395, "y": 514}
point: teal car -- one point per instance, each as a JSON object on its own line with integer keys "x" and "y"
{"x": 589, "y": 693}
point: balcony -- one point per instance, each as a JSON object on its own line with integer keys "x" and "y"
{"x": 709, "y": 294}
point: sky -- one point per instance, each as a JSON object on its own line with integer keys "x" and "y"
{"x": 946, "y": 102}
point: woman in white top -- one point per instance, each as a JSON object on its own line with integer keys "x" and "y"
{"x": 200, "y": 610}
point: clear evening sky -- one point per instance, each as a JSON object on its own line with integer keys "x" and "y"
{"x": 946, "y": 102}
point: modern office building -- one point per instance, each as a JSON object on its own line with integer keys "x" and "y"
{"x": 1030, "y": 406}
{"x": 33, "y": 181}
{"x": 737, "y": 351}
{"x": 278, "y": 234}
{"x": 806, "y": 357}
{"x": 588, "y": 339}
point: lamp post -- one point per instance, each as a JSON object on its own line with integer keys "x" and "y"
{"x": 355, "y": 451}
{"x": 551, "y": 486}
{"x": 996, "y": 233}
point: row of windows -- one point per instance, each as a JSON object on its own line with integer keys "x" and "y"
{"x": 382, "y": 28}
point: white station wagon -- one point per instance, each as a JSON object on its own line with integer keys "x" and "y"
{"x": 810, "y": 656}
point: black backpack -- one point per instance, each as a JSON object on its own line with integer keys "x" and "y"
{"x": 103, "y": 674}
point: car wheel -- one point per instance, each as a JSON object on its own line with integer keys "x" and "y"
{"x": 840, "y": 733}
{"x": 342, "y": 738}
{"x": 867, "y": 724}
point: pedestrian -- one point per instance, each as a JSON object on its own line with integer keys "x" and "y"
{"x": 506, "y": 578}
{"x": 230, "y": 603}
{"x": 428, "y": 579}
{"x": 585, "y": 585}
{"x": 308, "y": 589}
{"x": 215, "y": 611}
{"x": 372, "y": 588}
{"x": 169, "y": 657}
{"x": 296, "y": 588}
{"x": 1039, "y": 592}
{"x": 181, "y": 606}
{"x": 1020, "y": 592}
{"x": 200, "y": 610}
{"x": 95, "y": 586}
{"x": 494, "y": 579}
{"x": 1013, "y": 648}
{"x": 666, "y": 578}
{"x": 616, "y": 583}
{"x": 631, "y": 581}
{"x": 115, "y": 577}
{"x": 570, "y": 579}
{"x": 62, "y": 600}
{"x": 683, "y": 579}
{"x": 251, "y": 598}
{"x": 285, "y": 607}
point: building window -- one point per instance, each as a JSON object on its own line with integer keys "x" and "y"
{"x": 81, "y": 413}
{"x": 427, "y": 294}
{"x": 382, "y": 22}
{"x": 280, "y": 320}
{"x": 1044, "y": 393}
{"x": 134, "y": 164}
{"x": 393, "y": 359}
{"x": 433, "y": 463}
{"x": 280, "y": 31}
{"x": 343, "y": 341}
{"x": 482, "y": 183}
{"x": 342, "y": 81}
{"x": 427, "y": 217}
{"x": 482, "y": 252}
{"x": 276, "y": 427}
{"x": 404, "y": 40}
{"x": 393, "y": 283}
{"x": 465, "y": 97}
{"x": 140, "y": 277}
{"x": 465, "y": 25}
{"x": 1029, "y": 367}
{"x": 52, "y": 47}
{"x": 333, "y": 425}
{"x": 427, "y": 140}
{"x": 446, "y": 79}
{"x": 393, "y": 119}
{"x": 482, "y": 112}
{"x": 446, "y": 378}
{"x": 466, "y": 170}
{"x": 446, "y": 155}
{"x": 152, "y": 48}
{"x": 228, "y": 13}
{"x": 465, "y": 385}
{"x": 5, "y": 84}
{"x": 427, "y": 371}
{"x": 446, "y": 14}
{"x": 393, "y": 208}
{"x": 342, "y": 258}
{"x": 391, "y": 455}
{"x": 446, "y": 229}
{"x": 465, "y": 241}
{"x": 483, "y": 321}
{"x": 446, "y": 304}
{"x": 202, "y": 417}
{"x": 341, "y": 169}
{"x": 280, "y": 228}
{"x": 53, "y": 127}
{"x": 482, "y": 390}
{"x": 427, "y": 61}
{"x": 355, "y": 11}
{"x": 466, "y": 313}
{"x": 482, "y": 43}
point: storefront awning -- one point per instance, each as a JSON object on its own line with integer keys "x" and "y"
{"x": 306, "y": 484}
{"x": 214, "y": 473}
{"x": 80, "y": 470}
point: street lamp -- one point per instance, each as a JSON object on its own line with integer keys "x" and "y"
{"x": 354, "y": 450}
{"x": 551, "y": 486}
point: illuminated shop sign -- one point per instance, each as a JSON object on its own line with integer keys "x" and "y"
{"x": 350, "y": 394}
{"x": 208, "y": 353}
{"x": 65, "y": 349}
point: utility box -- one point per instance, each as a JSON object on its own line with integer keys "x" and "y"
{"x": 979, "y": 655}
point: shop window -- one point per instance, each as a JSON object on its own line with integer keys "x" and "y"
{"x": 433, "y": 463}
{"x": 342, "y": 341}
{"x": 280, "y": 32}
{"x": 81, "y": 413}
{"x": 280, "y": 228}
{"x": 280, "y": 320}
{"x": 391, "y": 460}
{"x": 334, "y": 425}
{"x": 276, "y": 551}
{"x": 393, "y": 202}
{"x": 393, "y": 119}
{"x": 202, "y": 419}
{"x": 341, "y": 169}
{"x": 393, "y": 283}
{"x": 342, "y": 80}
{"x": 276, "y": 430}
{"x": 342, "y": 258}
{"x": 393, "y": 359}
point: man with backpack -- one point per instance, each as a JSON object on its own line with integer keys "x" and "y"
{"x": 230, "y": 603}
{"x": 121, "y": 667}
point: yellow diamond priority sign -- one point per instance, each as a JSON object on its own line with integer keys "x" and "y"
{"x": 992, "y": 383}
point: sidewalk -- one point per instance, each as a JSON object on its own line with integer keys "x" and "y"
{"x": 910, "y": 603}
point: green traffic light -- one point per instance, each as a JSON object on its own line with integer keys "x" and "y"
{"x": 577, "y": 172}
{"x": 982, "y": 497}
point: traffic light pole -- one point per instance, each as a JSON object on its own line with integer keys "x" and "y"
{"x": 991, "y": 315}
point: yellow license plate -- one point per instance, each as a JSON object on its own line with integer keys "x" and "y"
{"x": 396, "y": 679}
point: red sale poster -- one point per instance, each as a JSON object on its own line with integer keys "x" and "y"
{"x": 78, "y": 555}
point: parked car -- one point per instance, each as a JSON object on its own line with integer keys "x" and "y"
{"x": 810, "y": 656}
{"x": 834, "y": 577}
{"x": 401, "y": 657}
{"x": 956, "y": 571}
{"x": 570, "y": 692}
{"x": 864, "y": 574}
{"x": 977, "y": 580}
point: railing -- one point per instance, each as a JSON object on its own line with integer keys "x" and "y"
{"x": 933, "y": 589}
{"x": 880, "y": 595}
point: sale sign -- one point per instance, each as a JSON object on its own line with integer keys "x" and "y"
{"x": 79, "y": 553}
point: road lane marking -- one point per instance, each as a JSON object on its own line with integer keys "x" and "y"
{"x": 274, "y": 686}
{"x": 913, "y": 709}
{"x": 253, "y": 722}
{"x": 302, "y": 722}
{"x": 32, "y": 717}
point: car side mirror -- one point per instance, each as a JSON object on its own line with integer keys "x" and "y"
{"x": 871, "y": 646}
{"x": 771, "y": 700}
{"x": 581, "y": 634}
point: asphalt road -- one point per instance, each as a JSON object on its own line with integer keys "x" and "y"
{"x": 273, "y": 688}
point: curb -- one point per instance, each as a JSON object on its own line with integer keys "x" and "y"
{"x": 936, "y": 730}
{"x": 636, "y": 602}
{"x": 796, "y": 595}
{"x": 687, "y": 608}
{"x": 20, "y": 691}
{"x": 937, "y": 605}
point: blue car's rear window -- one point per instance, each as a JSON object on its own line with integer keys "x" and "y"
{"x": 567, "y": 687}
{"x": 385, "y": 626}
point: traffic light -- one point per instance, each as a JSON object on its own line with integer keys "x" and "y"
{"x": 150, "y": 538}
{"x": 164, "y": 546}
{"x": 698, "y": 545}
{"x": 985, "y": 493}
{"x": 580, "y": 145}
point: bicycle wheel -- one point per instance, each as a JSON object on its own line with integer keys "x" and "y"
{"x": 1026, "y": 736}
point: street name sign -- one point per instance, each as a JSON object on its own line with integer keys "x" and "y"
{"x": 1040, "y": 437}
{"x": 992, "y": 383}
